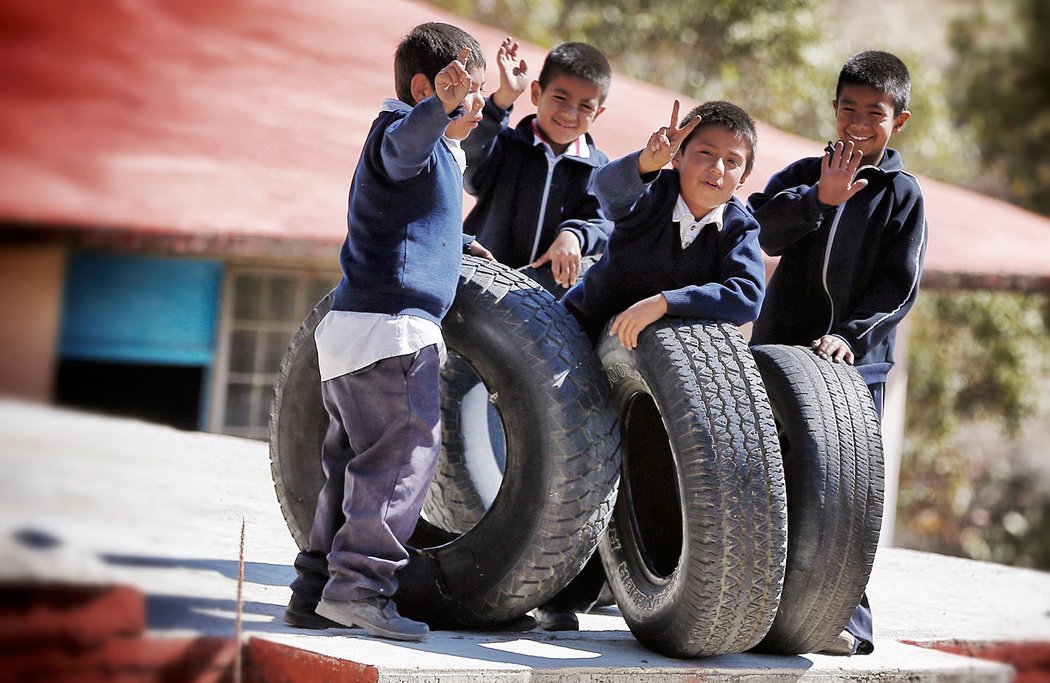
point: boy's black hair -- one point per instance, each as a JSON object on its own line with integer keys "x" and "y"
{"x": 428, "y": 49}
{"x": 882, "y": 71}
{"x": 728, "y": 116}
{"x": 580, "y": 60}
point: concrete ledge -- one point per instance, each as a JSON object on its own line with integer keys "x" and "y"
{"x": 126, "y": 503}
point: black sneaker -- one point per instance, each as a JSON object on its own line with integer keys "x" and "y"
{"x": 301, "y": 614}
{"x": 376, "y": 615}
{"x": 554, "y": 617}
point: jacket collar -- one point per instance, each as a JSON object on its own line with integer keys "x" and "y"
{"x": 525, "y": 133}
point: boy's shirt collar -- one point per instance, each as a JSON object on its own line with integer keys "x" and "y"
{"x": 689, "y": 226}
{"x": 392, "y": 104}
{"x": 577, "y": 148}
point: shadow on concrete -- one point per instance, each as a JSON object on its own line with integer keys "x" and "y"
{"x": 544, "y": 650}
{"x": 211, "y": 616}
{"x": 263, "y": 573}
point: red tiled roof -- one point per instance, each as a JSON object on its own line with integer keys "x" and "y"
{"x": 236, "y": 125}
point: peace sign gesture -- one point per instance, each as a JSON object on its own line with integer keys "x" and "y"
{"x": 664, "y": 143}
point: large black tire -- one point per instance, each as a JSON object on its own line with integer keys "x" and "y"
{"x": 834, "y": 470}
{"x": 562, "y": 454}
{"x": 474, "y": 447}
{"x": 696, "y": 549}
{"x": 473, "y": 450}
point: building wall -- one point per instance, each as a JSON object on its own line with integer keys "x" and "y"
{"x": 31, "y": 280}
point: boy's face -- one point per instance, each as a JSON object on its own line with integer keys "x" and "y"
{"x": 865, "y": 116}
{"x": 565, "y": 109}
{"x": 473, "y": 103}
{"x": 711, "y": 167}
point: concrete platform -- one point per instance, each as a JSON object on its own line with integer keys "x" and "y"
{"x": 98, "y": 501}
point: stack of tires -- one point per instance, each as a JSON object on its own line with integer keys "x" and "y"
{"x": 741, "y": 520}
{"x": 561, "y": 454}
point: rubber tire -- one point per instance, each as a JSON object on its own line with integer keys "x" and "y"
{"x": 473, "y": 453}
{"x": 834, "y": 470}
{"x": 473, "y": 456}
{"x": 562, "y": 457}
{"x": 703, "y": 580}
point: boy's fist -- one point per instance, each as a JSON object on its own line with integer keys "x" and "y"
{"x": 453, "y": 83}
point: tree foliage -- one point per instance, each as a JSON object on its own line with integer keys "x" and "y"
{"x": 777, "y": 59}
{"x": 1002, "y": 68}
{"x": 977, "y": 372}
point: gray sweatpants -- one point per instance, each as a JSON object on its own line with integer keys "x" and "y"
{"x": 379, "y": 455}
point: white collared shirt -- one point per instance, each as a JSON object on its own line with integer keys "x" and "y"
{"x": 349, "y": 340}
{"x": 689, "y": 226}
{"x": 577, "y": 148}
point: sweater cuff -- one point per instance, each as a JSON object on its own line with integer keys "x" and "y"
{"x": 812, "y": 209}
{"x": 579, "y": 235}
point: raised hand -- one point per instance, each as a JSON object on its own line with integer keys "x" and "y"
{"x": 453, "y": 83}
{"x": 837, "y": 173}
{"x": 664, "y": 143}
{"x": 513, "y": 74}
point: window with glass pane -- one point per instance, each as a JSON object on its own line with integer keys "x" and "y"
{"x": 261, "y": 313}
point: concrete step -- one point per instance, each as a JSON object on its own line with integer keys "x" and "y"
{"x": 160, "y": 510}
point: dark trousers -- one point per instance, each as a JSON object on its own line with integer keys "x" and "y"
{"x": 860, "y": 623}
{"x": 379, "y": 455}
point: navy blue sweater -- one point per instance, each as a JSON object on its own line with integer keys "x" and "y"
{"x": 852, "y": 271}
{"x": 719, "y": 276}
{"x": 404, "y": 240}
{"x": 513, "y": 181}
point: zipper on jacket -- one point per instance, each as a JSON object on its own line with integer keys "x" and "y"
{"x": 551, "y": 163}
{"x": 827, "y": 259}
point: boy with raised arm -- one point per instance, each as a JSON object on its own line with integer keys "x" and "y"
{"x": 534, "y": 206}
{"x": 682, "y": 244}
{"x": 380, "y": 348}
{"x": 850, "y": 230}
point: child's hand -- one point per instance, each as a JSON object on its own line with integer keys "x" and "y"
{"x": 629, "y": 324}
{"x": 453, "y": 83}
{"x": 840, "y": 165}
{"x": 475, "y": 249}
{"x": 564, "y": 256}
{"x": 513, "y": 74}
{"x": 830, "y": 347}
{"x": 664, "y": 143}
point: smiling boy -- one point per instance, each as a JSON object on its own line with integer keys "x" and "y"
{"x": 682, "y": 244}
{"x": 534, "y": 206}
{"x": 850, "y": 230}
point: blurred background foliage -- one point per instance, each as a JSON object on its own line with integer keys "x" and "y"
{"x": 975, "y": 480}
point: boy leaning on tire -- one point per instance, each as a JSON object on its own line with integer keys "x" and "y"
{"x": 850, "y": 231}
{"x": 682, "y": 244}
{"x": 380, "y": 347}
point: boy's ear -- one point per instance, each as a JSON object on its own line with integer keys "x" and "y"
{"x": 676, "y": 160}
{"x": 420, "y": 87}
{"x": 743, "y": 178}
{"x": 535, "y": 92}
{"x": 898, "y": 122}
